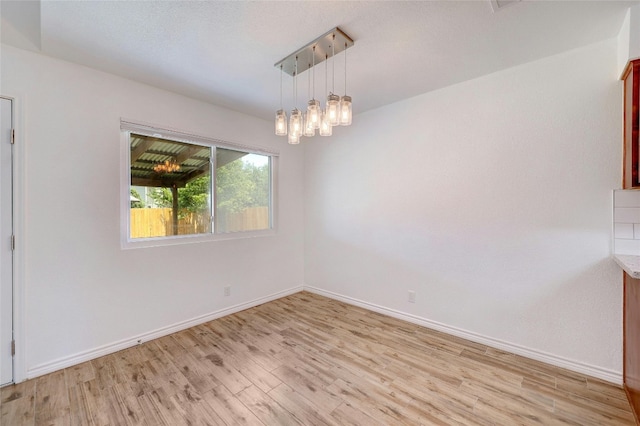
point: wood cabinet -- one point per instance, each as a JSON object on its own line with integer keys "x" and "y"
{"x": 631, "y": 78}
{"x": 631, "y": 368}
{"x": 631, "y": 179}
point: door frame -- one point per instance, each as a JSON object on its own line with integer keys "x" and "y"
{"x": 19, "y": 365}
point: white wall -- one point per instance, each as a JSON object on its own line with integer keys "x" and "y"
{"x": 634, "y": 32}
{"x": 629, "y": 38}
{"x": 491, "y": 199}
{"x": 82, "y": 292}
{"x": 623, "y": 43}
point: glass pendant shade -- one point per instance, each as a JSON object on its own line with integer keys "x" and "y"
{"x": 295, "y": 123}
{"x": 325, "y": 126}
{"x": 345, "y": 110}
{"x": 293, "y": 139}
{"x": 295, "y": 126}
{"x": 309, "y": 128}
{"x": 333, "y": 105}
{"x": 314, "y": 112}
{"x": 281, "y": 123}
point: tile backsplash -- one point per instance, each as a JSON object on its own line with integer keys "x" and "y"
{"x": 626, "y": 222}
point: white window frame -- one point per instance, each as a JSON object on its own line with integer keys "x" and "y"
{"x": 127, "y": 127}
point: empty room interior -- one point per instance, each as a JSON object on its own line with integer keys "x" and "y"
{"x": 329, "y": 212}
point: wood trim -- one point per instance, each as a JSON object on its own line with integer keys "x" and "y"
{"x": 631, "y": 145}
{"x": 633, "y": 409}
{"x": 631, "y": 343}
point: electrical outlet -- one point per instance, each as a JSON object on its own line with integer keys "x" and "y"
{"x": 227, "y": 290}
{"x": 412, "y": 296}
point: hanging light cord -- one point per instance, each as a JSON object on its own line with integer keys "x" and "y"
{"x": 314, "y": 73}
{"x": 280, "y": 86}
{"x": 345, "y": 69}
{"x": 309, "y": 84}
{"x": 326, "y": 71}
{"x": 295, "y": 85}
{"x": 333, "y": 64}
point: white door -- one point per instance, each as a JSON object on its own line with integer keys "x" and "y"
{"x": 6, "y": 251}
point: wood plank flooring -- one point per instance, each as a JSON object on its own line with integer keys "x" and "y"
{"x": 309, "y": 360}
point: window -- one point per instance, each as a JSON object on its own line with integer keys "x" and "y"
{"x": 242, "y": 191}
{"x": 184, "y": 188}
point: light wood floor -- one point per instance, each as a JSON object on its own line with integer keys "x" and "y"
{"x": 305, "y": 359}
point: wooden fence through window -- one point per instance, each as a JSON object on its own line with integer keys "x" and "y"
{"x": 158, "y": 222}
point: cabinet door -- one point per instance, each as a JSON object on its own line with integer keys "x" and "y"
{"x": 632, "y": 341}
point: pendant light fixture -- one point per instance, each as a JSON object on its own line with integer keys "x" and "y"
{"x": 309, "y": 125}
{"x": 337, "y": 110}
{"x": 295, "y": 123}
{"x": 333, "y": 101}
{"x": 281, "y": 116}
{"x": 325, "y": 123}
{"x": 313, "y": 106}
{"x": 345, "y": 101}
{"x": 296, "y": 126}
{"x": 325, "y": 126}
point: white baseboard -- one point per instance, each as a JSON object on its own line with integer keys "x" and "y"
{"x": 78, "y": 358}
{"x": 558, "y": 361}
{"x": 579, "y": 367}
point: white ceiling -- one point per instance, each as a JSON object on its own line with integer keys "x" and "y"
{"x": 223, "y": 52}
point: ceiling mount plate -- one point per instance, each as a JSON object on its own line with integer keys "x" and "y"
{"x": 324, "y": 49}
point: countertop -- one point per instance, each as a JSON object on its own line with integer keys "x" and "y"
{"x": 630, "y": 264}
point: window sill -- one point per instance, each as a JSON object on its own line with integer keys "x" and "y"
{"x": 191, "y": 239}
